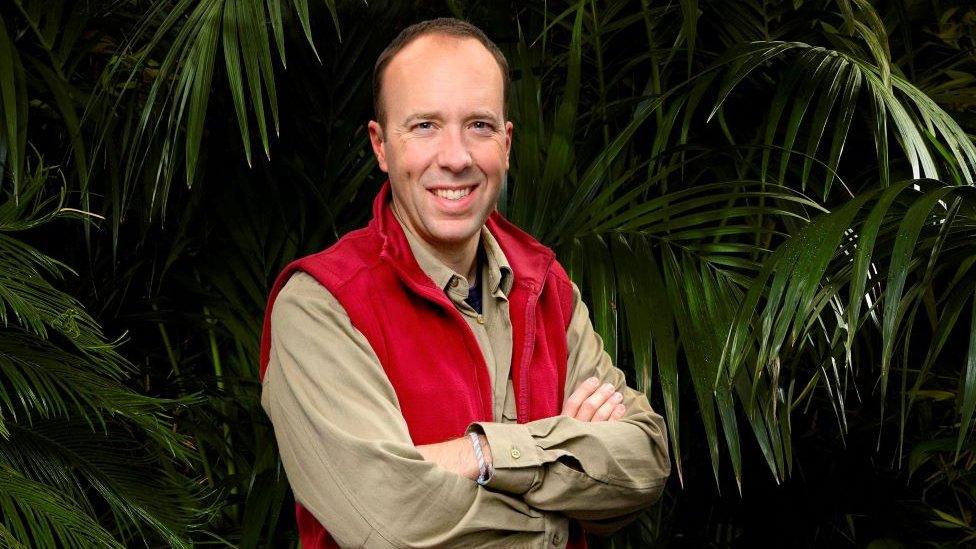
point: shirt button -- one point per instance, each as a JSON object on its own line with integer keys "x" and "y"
{"x": 515, "y": 453}
{"x": 557, "y": 538}
{"x": 454, "y": 282}
{"x": 481, "y": 319}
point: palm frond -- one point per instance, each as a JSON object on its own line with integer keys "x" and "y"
{"x": 886, "y": 236}
{"x": 839, "y": 77}
{"x": 71, "y": 429}
{"x": 35, "y": 515}
{"x": 143, "y": 498}
{"x": 13, "y": 111}
{"x": 170, "y": 127}
{"x": 26, "y": 297}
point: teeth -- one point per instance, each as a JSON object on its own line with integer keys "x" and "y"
{"x": 452, "y": 194}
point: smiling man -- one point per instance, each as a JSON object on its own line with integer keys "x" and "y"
{"x": 434, "y": 379}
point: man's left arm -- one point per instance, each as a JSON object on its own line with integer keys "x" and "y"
{"x": 602, "y": 473}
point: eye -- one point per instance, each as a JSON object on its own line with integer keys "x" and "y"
{"x": 423, "y": 126}
{"x": 482, "y": 125}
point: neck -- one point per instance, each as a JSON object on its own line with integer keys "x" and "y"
{"x": 461, "y": 259}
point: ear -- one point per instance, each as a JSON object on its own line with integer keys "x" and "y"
{"x": 508, "y": 142}
{"x": 377, "y": 140}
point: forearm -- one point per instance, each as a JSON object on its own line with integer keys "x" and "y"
{"x": 458, "y": 456}
{"x": 584, "y": 470}
{"x": 603, "y": 500}
{"x": 386, "y": 495}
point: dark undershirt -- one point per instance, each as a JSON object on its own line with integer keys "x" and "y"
{"x": 474, "y": 291}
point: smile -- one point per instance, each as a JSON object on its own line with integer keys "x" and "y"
{"x": 453, "y": 194}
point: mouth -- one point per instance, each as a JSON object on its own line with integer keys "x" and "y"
{"x": 453, "y": 195}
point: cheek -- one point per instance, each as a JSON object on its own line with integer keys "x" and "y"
{"x": 503, "y": 151}
{"x": 492, "y": 156}
{"x": 414, "y": 157}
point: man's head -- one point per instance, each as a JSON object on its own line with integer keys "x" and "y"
{"x": 441, "y": 135}
{"x": 445, "y": 26}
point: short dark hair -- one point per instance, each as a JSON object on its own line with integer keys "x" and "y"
{"x": 446, "y": 26}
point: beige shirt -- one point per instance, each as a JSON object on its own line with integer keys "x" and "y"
{"x": 350, "y": 460}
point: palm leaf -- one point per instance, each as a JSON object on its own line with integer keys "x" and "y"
{"x": 172, "y": 118}
{"x": 35, "y": 515}
{"x": 900, "y": 102}
{"x": 66, "y": 412}
{"x": 143, "y": 497}
{"x": 13, "y": 112}
{"x": 816, "y": 267}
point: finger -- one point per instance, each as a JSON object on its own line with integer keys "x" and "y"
{"x": 608, "y": 407}
{"x": 593, "y": 402}
{"x": 618, "y": 412}
{"x": 582, "y": 392}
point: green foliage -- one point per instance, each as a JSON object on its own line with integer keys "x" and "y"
{"x": 85, "y": 460}
{"x": 75, "y": 440}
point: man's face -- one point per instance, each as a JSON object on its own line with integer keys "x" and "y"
{"x": 445, "y": 141}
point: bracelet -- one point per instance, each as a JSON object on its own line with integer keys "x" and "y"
{"x": 485, "y": 471}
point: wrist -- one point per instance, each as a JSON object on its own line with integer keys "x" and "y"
{"x": 486, "y": 449}
{"x": 484, "y": 470}
{"x": 467, "y": 460}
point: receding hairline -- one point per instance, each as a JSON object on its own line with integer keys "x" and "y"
{"x": 404, "y": 55}
{"x": 449, "y": 28}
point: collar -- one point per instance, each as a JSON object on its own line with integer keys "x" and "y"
{"x": 527, "y": 260}
{"x": 496, "y": 271}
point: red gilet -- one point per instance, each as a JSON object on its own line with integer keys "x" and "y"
{"x": 374, "y": 276}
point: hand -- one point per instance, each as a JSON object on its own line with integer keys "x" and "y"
{"x": 594, "y": 402}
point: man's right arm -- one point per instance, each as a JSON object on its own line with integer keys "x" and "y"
{"x": 347, "y": 450}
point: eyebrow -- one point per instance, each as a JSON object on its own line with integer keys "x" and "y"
{"x": 486, "y": 114}
{"x": 433, "y": 115}
{"x": 421, "y": 116}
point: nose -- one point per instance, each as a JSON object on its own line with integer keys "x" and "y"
{"x": 454, "y": 154}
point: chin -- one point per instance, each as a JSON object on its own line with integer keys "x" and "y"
{"x": 455, "y": 235}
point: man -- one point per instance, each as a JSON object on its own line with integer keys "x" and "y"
{"x": 434, "y": 379}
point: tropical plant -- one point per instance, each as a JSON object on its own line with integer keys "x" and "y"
{"x": 87, "y": 458}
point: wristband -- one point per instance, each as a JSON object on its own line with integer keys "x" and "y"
{"x": 485, "y": 471}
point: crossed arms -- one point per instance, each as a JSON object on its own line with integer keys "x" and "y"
{"x": 351, "y": 462}
{"x": 591, "y": 401}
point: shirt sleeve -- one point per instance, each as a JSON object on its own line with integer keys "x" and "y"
{"x": 601, "y": 473}
{"x": 347, "y": 451}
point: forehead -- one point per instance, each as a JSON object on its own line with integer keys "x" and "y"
{"x": 438, "y": 71}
